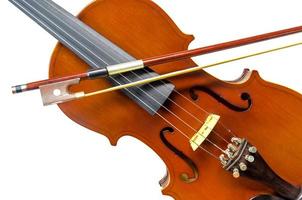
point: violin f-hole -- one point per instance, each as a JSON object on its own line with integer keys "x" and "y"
{"x": 244, "y": 96}
{"x": 183, "y": 176}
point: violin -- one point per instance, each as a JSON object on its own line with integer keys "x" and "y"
{"x": 212, "y": 135}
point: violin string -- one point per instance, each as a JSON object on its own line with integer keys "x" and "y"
{"x": 203, "y": 110}
{"x": 144, "y": 92}
{"x": 51, "y": 5}
{"x": 176, "y": 128}
{"x": 202, "y": 148}
{"x": 175, "y": 115}
{"x": 197, "y": 106}
{"x": 182, "y": 108}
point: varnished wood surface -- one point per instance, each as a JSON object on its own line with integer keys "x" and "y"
{"x": 273, "y": 123}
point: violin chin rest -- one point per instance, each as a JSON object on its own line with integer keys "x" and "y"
{"x": 267, "y": 197}
{"x": 271, "y": 197}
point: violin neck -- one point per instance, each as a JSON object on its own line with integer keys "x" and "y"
{"x": 94, "y": 49}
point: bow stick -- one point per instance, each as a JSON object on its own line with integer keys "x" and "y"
{"x": 139, "y": 64}
{"x": 58, "y": 92}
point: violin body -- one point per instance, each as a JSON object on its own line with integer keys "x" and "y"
{"x": 266, "y": 114}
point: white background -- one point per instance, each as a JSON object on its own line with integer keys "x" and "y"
{"x": 46, "y": 156}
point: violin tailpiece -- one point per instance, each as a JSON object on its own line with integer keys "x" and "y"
{"x": 243, "y": 159}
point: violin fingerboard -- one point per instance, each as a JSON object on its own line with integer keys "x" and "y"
{"x": 95, "y": 50}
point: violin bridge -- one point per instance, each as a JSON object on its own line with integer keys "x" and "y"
{"x": 204, "y": 131}
{"x": 56, "y": 93}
